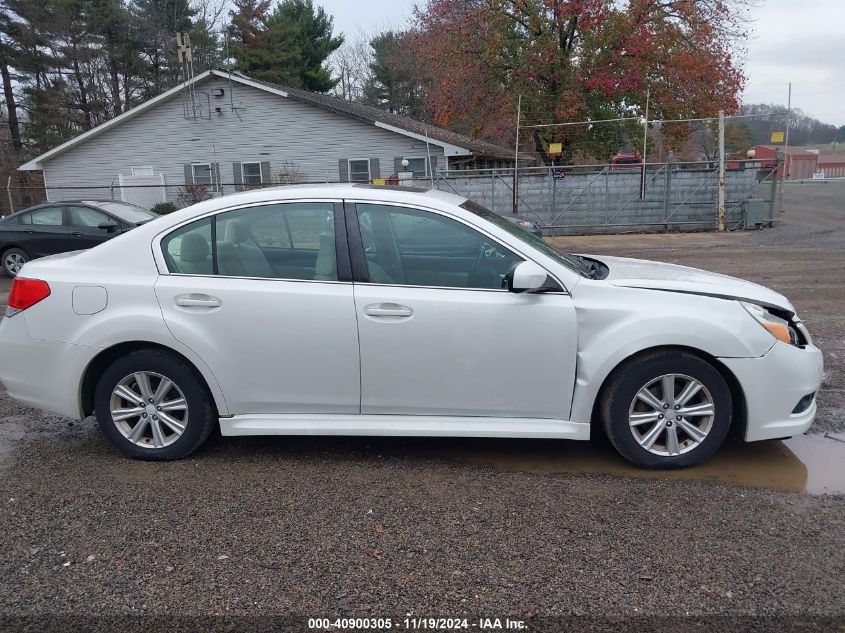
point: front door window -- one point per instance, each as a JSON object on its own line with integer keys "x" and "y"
{"x": 413, "y": 247}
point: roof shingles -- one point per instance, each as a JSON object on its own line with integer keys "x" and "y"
{"x": 373, "y": 115}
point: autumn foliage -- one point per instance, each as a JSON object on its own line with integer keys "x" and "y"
{"x": 574, "y": 60}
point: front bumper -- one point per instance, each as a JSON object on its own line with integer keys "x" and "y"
{"x": 773, "y": 385}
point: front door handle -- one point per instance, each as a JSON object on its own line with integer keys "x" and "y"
{"x": 388, "y": 310}
{"x": 77, "y": 234}
{"x": 197, "y": 301}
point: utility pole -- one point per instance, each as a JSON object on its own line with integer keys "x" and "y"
{"x": 516, "y": 158}
{"x": 787, "y": 163}
{"x": 721, "y": 170}
{"x": 645, "y": 142}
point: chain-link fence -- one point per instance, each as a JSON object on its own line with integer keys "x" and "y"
{"x": 609, "y": 198}
{"x": 572, "y": 199}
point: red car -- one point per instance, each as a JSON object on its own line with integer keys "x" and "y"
{"x": 620, "y": 161}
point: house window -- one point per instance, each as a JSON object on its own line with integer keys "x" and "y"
{"x": 359, "y": 170}
{"x": 417, "y": 165}
{"x": 251, "y": 173}
{"x": 142, "y": 171}
{"x": 202, "y": 174}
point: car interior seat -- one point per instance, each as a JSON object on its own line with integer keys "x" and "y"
{"x": 325, "y": 268}
{"x": 194, "y": 255}
{"x": 240, "y": 255}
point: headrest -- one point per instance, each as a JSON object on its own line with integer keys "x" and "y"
{"x": 236, "y": 232}
{"x": 194, "y": 248}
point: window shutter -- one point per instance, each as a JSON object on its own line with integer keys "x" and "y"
{"x": 343, "y": 169}
{"x": 237, "y": 177}
{"x": 265, "y": 173}
{"x": 397, "y": 164}
{"x": 189, "y": 174}
{"x": 433, "y": 165}
{"x": 374, "y": 168}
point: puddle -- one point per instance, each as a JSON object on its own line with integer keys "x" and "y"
{"x": 807, "y": 463}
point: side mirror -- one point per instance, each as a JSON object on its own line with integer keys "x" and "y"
{"x": 526, "y": 276}
{"x": 109, "y": 227}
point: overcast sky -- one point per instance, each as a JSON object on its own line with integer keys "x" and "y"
{"x": 794, "y": 40}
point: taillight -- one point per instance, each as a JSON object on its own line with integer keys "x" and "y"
{"x": 26, "y": 293}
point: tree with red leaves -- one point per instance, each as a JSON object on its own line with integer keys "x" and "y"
{"x": 577, "y": 60}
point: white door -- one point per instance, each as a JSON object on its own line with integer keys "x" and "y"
{"x": 440, "y": 336}
{"x": 270, "y": 317}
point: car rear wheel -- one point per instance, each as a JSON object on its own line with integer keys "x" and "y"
{"x": 13, "y": 261}
{"x": 153, "y": 405}
{"x": 666, "y": 410}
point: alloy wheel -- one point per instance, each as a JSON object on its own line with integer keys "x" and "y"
{"x": 149, "y": 409}
{"x": 671, "y": 415}
{"x": 14, "y": 262}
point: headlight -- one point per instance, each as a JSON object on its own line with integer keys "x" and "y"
{"x": 777, "y": 322}
{"x": 525, "y": 224}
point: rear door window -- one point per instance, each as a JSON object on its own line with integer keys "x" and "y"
{"x": 48, "y": 216}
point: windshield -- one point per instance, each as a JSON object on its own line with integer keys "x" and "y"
{"x": 127, "y": 212}
{"x": 570, "y": 261}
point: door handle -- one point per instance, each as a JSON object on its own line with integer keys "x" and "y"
{"x": 28, "y": 231}
{"x": 388, "y": 310}
{"x": 197, "y": 301}
{"x": 76, "y": 234}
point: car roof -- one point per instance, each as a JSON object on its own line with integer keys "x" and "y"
{"x": 53, "y": 203}
{"x": 354, "y": 191}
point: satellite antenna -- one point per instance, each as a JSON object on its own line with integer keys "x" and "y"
{"x": 186, "y": 59}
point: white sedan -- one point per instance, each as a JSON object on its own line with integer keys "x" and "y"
{"x": 354, "y": 310}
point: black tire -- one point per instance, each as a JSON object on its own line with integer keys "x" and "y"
{"x": 13, "y": 253}
{"x": 623, "y": 386}
{"x": 201, "y": 412}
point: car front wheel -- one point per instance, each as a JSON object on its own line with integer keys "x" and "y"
{"x": 670, "y": 409}
{"x": 13, "y": 261}
{"x": 153, "y": 405}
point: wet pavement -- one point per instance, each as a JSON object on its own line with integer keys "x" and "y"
{"x": 814, "y": 464}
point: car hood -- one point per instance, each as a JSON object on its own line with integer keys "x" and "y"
{"x": 640, "y": 273}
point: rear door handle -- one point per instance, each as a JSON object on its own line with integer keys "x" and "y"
{"x": 76, "y": 234}
{"x": 197, "y": 301}
{"x": 388, "y": 310}
{"x": 28, "y": 231}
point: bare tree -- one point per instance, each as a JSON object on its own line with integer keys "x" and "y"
{"x": 351, "y": 64}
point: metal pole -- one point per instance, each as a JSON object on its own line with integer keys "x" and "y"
{"x": 721, "y": 170}
{"x": 428, "y": 153}
{"x": 787, "y": 169}
{"x": 516, "y": 157}
{"x": 645, "y": 141}
{"x": 9, "y": 193}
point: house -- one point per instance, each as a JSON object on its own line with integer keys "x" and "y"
{"x": 222, "y": 132}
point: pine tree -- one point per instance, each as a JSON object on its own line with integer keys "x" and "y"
{"x": 289, "y": 46}
{"x": 392, "y": 84}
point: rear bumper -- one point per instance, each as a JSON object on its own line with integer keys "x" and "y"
{"x": 41, "y": 374}
{"x": 773, "y": 385}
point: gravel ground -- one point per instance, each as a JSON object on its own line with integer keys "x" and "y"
{"x": 334, "y": 527}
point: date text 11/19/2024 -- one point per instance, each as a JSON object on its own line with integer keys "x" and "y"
{"x": 417, "y": 624}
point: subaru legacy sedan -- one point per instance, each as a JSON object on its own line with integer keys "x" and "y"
{"x": 356, "y": 310}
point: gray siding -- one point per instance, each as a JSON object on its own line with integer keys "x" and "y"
{"x": 270, "y": 129}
